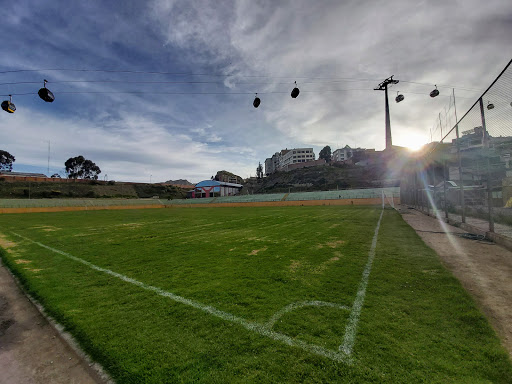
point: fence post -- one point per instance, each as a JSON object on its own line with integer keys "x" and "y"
{"x": 427, "y": 192}
{"x": 416, "y": 203}
{"x": 418, "y": 191}
{"x": 486, "y": 147}
{"x": 444, "y": 190}
{"x": 459, "y": 158}
{"x": 424, "y": 203}
{"x": 461, "y": 180}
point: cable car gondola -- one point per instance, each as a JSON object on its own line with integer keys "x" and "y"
{"x": 295, "y": 91}
{"x": 8, "y": 106}
{"x": 434, "y": 93}
{"x": 45, "y": 94}
{"x": 490, "y": 105}
{"x": 399, "y": 97}
{"x": 256, "y": 102}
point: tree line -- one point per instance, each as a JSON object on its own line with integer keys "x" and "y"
{"x": 75, "y": 167}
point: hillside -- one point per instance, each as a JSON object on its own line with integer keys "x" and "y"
{"x": 26, "y": 189}
{"x": 329, "y": 177}
{"x": 179, "y": 182}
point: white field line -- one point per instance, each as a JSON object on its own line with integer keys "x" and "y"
{"x": 351, "y": 328}
{"x": 345, "y": 350}
{"x": 301, "y": 304}
{"x": 255, "y": 327}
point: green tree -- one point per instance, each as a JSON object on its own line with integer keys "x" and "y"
{"x": 325, "y": 154}
{"x": 259, "y": 171}
{"x": 6, "y": 160}
{"x": 81, "y": 168}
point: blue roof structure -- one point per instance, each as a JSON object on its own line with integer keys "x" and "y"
{"x": 215, "y": 183}
{"x": 208, "y": 183}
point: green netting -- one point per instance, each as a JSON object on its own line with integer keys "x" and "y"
{"x": 250, "y": 198}
{"x": 295, "y": 196}
{"x": 345, "y": 194}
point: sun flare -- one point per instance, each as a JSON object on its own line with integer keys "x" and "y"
{"x": 413, "y": 141}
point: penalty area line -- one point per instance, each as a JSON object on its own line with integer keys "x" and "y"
{"x": 261, "y": 329}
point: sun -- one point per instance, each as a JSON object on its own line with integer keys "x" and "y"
{"x": 412, "y": 140}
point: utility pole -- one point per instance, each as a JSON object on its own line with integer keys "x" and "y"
{"x": 384, "y": 87}
{"x": 48, "y": 158}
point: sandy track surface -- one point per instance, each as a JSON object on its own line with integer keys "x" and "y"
{"x": 483, "y": 268}
{"x": 31, "y": 350}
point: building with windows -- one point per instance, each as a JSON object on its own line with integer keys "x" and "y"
{"x": 272, "y": 163}
{"x": 281, "y": 161}
{"x": 342, "y": 154}
{"x": 471, "y": 139}
{"x": 345, "y": 153}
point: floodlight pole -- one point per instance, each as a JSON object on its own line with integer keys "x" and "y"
{"x": 384, "y": 87}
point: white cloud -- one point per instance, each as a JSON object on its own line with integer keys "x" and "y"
{"x": 184, "y": 136}
{"x": 128, "y": 149}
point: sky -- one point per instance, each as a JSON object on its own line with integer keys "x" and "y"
{"x": 163, "y": 89}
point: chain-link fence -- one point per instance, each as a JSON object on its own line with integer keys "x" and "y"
{"x": 467, "y": 176}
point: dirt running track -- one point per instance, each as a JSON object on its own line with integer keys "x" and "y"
{"x": 483, "y": 268}
{"x": 31, "y": 350}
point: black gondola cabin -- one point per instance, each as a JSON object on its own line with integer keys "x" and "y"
{"x": 8, "y": 106}
{"x": 46, "y": 95}
{"x": 434, "y": 93}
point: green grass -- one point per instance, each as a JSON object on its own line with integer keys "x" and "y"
{"x": 417, "y": 323}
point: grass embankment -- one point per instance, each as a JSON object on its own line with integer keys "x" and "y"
{"x": 417, "y": 323}
{"x": 91, "y": 189}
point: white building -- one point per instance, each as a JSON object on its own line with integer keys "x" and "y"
{"x": 272, "y": 163}
{"x": 342, "y": 154}
{"x": 281, "y": 160}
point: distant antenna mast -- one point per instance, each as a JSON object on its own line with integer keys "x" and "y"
{"x": 48, "y": 157}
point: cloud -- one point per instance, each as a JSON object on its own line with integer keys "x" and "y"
{"x": 128, "y": 149}
{"x": 336, "y": 51}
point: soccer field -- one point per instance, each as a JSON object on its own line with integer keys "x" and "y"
{"x": 271, "y": 294}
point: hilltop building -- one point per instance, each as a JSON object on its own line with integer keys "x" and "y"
{"x": 474, "y": 165}
{"x": 471, "y": 139}
{"x": 343, "y": 154}
{"x": 352, "y": 155}
{"x": 288, "y": 158}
